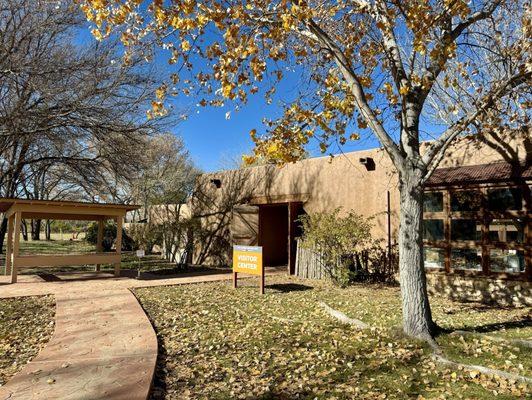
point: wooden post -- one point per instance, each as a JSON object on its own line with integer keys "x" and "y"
{"x": 293, "y": 212}
{"x": 290, "y": 237}
{"x": 99, "y": 239}
{"x": 235, "y": 279}
{"x": 119, "y": 223}
{"x": 9, "y": 245}
{"x": 389, "y": 229}
{"x": 485, "y": 232}
{"x": 16, "y": 245}
{"x": 261, "y": 289}
{"x": 447, "y": 229}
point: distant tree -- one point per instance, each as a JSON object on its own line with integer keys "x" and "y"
{"x": 71, "y": 116}
{"x": 164, "y": 182}
{"x": 46, "y": 181}
{"x": 165, "y": 172}
{"x": 372, "y": 65}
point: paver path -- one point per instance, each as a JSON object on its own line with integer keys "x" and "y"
{"x": 103, "y": 347}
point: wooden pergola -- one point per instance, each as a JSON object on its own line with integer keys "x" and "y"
{"x": 16, "y": 210}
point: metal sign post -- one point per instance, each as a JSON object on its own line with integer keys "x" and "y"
{"x": 140, "y": 253}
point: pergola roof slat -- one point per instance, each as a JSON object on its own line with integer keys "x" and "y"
{"x": 65, "y": 207}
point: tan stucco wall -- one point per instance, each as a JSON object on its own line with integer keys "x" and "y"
{"x": 326, "y": 183}
{"x": 160, "y": 213}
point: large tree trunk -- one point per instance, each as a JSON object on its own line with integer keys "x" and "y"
{"x": 417, "y": 316}
{"x": 36, "y": 229}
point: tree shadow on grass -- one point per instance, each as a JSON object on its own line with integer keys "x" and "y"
{"x": 497, "y": 326}
{"x": 289, "y": 287}
{"x": 479, "y": 307}
{"x": 181, "y": 273}
{"x": 488, "y": 328}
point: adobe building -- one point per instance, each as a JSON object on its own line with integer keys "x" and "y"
{"x": 477, "y": 210}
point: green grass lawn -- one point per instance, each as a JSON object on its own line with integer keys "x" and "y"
{"x": 55, "y": 247}
{"x": 26, "y": 325}
{"x": 221, "y": 343}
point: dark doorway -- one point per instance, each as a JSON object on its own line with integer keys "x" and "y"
{"x": 273, "y": 236}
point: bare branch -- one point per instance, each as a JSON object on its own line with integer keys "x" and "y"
{"x": 436, "y": 151}
{"x": 437, "y": 65}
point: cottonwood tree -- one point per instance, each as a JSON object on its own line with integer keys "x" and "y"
{"x": 388, "y": 67}
{"x": 66, "y": 110}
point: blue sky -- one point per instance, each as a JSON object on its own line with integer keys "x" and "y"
{"x": 214, "y": 141}
{"x": 217, "y": 142}
{"x": 217, "y": 137}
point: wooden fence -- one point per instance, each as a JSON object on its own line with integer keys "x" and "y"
{"x": 377, "y": 264}
{"x": 309, "y": 263}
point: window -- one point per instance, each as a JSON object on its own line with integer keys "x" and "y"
{"x": 505, "y": 199}
{"x": 507, "y": 230}
{"x": 434, "y": 257}
{"x": 466, "y": 200}
{"x": 466, "y": 229}
{"x": 467, "y": 259}
{"x": 433, "y": 202}
{"x": 477, "y": 228}
{"x": 433, "y": 229}
{"x": 510, "y": 261}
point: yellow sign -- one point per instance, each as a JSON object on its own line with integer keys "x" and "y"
{"x": 247, "y": 259}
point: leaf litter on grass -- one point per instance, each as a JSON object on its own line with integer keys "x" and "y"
{"x": 221, "y": 343}
{"x": 26, "y": 325}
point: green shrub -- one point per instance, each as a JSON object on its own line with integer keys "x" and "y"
{"x": 146, "y": 235}
{"x": 109, "y": 234}
{"x": 337, "y": 237}
{"x": 346, "y": 250}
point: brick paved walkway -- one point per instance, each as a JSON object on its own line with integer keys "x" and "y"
{"x": 103, "y": 347}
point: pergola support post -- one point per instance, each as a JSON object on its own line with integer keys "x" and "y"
{"x": 9, "y": 245}
{"x": 16, "y": 246}
{"x": 99, "y": 240}
{"x": 119, "y": 223}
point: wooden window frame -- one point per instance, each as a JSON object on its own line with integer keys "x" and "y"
{"x": 484, "y": 216}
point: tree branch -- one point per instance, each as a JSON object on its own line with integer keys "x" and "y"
{"x": 436, "y": 150}
{"x": 391, "y": 46}
{"x": 449, "y": 36}
{"x": 356, "y": 88}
